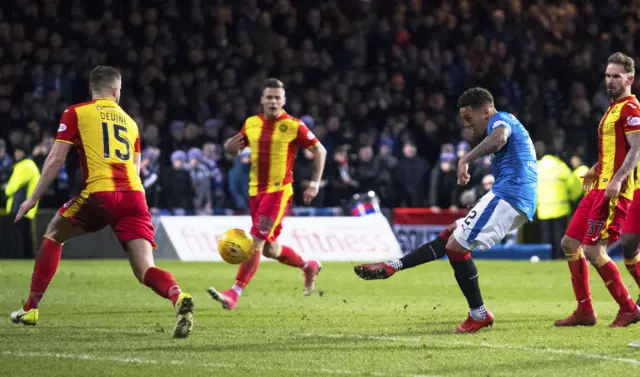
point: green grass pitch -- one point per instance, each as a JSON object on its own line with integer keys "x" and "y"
{"x": 96, "y": 320}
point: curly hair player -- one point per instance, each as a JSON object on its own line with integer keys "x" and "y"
{"x": 511, "y": 202}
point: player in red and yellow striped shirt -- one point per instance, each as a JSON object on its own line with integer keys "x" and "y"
{"x": 108, "y": 145}
{"x": 599, "y": 217}
{"x": 273, "y": 138}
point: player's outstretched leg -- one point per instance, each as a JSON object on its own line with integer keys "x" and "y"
{"x": 229, "y": 298}
{"x": 426, "y": 253}
{"x": 58, "y": 231}
{"x": 584, "y": 315}
{"x": 466, "y": 274}
{"x": 286, "y": 255}
{"x": 44, "y": 269}
{"x": 162, "y": 283}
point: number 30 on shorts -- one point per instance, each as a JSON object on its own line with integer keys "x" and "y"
{"x": 595, "y": 227}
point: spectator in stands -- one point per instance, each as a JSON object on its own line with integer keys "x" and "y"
{"x": 443, "y": 182}
{"x": 6, "y": 167}
{"x": 180, "y": 76}
{"x": 177, "y": 186}
{"x": 149, "y": 174}
{"x": 411, "y": 175}
{"x": 21, "y": 185}
{"x": 201, "y": 180}
{"x": 578, "y": 168}
{"x": 239, "y": 181}
{"x": 341, "y": 183}
{"x": 211, "y": 154}
{"x": 387, "y": 163}
{"x": 367, "y": 171}
{"x": 557, "y": 190}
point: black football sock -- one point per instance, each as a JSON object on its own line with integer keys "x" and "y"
{"x": 466, "y": 274}
{"x": 426, "y": 253}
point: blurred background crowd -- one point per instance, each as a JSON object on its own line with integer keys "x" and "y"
{"x": 376, "y": 81}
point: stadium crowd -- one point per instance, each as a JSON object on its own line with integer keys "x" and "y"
{"x": 376, "y": 81}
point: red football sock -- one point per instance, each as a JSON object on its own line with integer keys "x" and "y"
{"x": 611, "y": 275}
{"x": 248, "y": 269}
{"x": 162, "y": 283}
{"x": 633, "y": 266}
{"x": 289, "y": 257}
{"x": 45, "y": 267}
{"x": 580, "y": 281}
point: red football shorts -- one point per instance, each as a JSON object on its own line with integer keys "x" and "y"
{"x": 125, "y": 211}
{"x": 267, "y": 210}
{"x": 598, "y": 218}
{"x": 632, "y": 223}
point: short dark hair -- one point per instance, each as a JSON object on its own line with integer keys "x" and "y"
{"x": 475, "y": 97}
{"x": 624, "y": 60}
{"x": 273, "y": 83}
{"x": 103, "y": 77}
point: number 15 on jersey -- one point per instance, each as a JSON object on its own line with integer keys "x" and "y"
{"x": 119, "y": 133}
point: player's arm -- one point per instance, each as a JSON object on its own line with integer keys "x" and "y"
{"x": 136, "y": 155}
{"x": 67, "y": 133}
{"x": 236, "y": 143}
{"x": 319, "y": 159}
{"x": 51, "y": 167}
{"x": 491, "y": 144}
{"x": 137, "y": 162}
{"x": 631, "y": 159}
{"x": 632, "y": 133}
{"x": 309, "y": 141}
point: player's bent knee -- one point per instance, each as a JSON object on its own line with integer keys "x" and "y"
{"x": 630, "y": 244}
{"x": 596, "y": 255}
{"x": 272, "y": 250}
{"x": 453, "y": 246}
{"x": 61, "y": 230}
{"x": 570, "y": 246}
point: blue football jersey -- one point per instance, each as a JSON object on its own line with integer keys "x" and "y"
{"x": 515, "y": 166}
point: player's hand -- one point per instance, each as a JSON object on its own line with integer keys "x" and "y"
{"x": 436, "y": 209}
{"x": 309, "y": 194}
{"x": 463, "y": 172}
{"x": 234, "y": 143}
{"x": 589, "y": 179}
{"x": 613, "y": 189}
{"x": 25, "y": 207}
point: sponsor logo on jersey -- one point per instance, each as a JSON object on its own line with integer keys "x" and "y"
{"x": 499, "y": 123}
{"x": 633, "y": 121}
{"x": 62, "y": 128}
{"x": 310, "y": 135}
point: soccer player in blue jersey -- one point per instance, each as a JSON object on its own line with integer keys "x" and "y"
{"x": 511, "y": 202}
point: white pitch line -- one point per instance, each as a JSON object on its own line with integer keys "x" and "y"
{"x": 485, "y": 345}
{"x": 138, "y": 360}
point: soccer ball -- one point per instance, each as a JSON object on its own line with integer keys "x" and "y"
{"x": 235, "y": 246}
